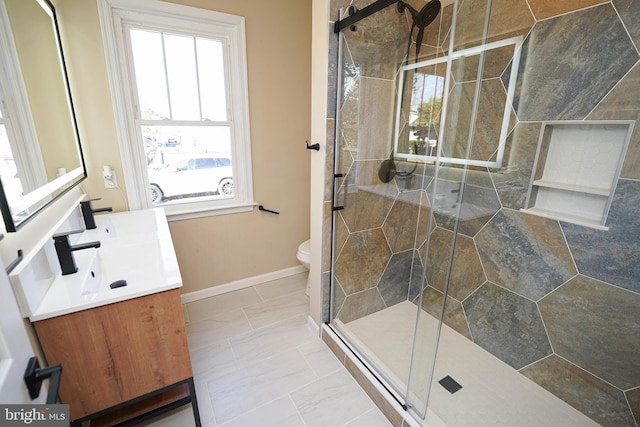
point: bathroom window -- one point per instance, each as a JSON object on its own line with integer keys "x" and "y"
{"x": 178, "y": 80}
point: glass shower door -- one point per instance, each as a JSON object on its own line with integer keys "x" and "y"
{"x": 381, "y": 212}
{"x": 410, "y": 143}
{"x": 476, "y": 119}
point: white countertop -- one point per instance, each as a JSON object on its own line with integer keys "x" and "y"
{"x": 135, "y": 246}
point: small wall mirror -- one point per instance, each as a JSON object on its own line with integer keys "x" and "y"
{"x": 41, "y": 157}
{"x": 421, "y": 99}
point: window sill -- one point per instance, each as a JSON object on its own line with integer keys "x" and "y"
{"x": 192, "y": 211}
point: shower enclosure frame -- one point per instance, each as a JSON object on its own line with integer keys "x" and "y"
{"x": 417, "y": 406}
{"x": 537, "y": 306}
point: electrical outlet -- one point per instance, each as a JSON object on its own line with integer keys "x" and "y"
{"x": 110, "y": 179}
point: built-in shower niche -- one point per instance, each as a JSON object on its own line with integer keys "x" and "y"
{"x": 576, "y": 170}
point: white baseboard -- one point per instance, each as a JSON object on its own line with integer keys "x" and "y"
{"x": 240, "y": 284}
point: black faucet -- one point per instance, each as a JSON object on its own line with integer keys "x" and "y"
{"x": 87, "y": 213}
{"x": 64, "y": 251}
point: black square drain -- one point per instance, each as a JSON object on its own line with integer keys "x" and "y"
{"x": 450, "y": 384}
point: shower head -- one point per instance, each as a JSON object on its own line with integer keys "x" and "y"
{"x": 428, "y": 13}
{"x": 421, "y": 19}
{"x": 425, "y": 16}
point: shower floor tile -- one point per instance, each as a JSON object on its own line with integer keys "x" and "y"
{"x": 492, "y": 394}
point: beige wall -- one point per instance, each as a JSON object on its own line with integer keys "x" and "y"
{"x": 217, "y": 250}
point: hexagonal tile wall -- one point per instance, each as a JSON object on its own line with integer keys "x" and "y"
{"x": 360, "y": 304}
{"x": 525, "y": 253}
{"x": 401, "y": 225}
{"x": 619, "y": 264}
{"x": 578, "y": 81}
{"x": 623, "y": 103}
{"x": 362, "y": 260}
{"x": 366, "y": 199}
{"x": 595, "y": 326}
{"x": 466, "y": 273}
{"x": 601, "y": 401}
{"x": 374, "y": 106}
{"x": 543, "y": 9}
{"x": 488, "y": 124}
{"x": 402, "y": 279}
{"x": 633, "y": 397}
{"x": 629, "y": 11}
{"x": 496, "y": 61}
{"x": 512, "y": 179}
{"x": 454, "y": 316}
{"x": 506, "y": 325}
{"x": 378, "y": 43}
{"x": 479, "y": 202}
{"x": 508, "y": 18}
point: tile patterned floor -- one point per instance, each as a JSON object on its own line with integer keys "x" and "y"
{"x": 257, "y": 362}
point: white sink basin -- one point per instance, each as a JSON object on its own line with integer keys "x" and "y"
{"x": 131, "y": 226}
{"x": 91, "y": 282}
{"x": 87, "y": 278}
{"x": 136, "y": 247}
{"x": 139, "y": 264}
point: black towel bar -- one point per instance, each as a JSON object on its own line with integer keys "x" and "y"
{"x": 262, "y": 208}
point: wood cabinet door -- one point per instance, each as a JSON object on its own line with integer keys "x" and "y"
{"x": 114, "y": 353}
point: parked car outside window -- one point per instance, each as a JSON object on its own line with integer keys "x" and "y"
{"x": 198, "y": 174}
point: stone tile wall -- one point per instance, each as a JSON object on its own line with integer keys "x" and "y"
{"x": 557, "y": 301}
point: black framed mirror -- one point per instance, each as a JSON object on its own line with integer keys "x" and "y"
{"x": 40, "y": 152}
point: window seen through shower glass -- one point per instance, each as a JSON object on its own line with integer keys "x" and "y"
{"x": 183, "y": 116}
{"x": 423, "y": 121}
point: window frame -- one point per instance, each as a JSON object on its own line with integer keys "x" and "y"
{"x": 115, "y": 16}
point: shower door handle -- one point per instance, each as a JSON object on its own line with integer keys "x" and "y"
{"x": 333, "y": 206}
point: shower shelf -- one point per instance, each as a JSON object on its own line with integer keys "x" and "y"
{"x": 576, "y": 170}
{"x": 598, "y": 191}
{"x": 578, "y": 220}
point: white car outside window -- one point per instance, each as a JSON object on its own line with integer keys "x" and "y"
{"x": 189, "y": 176}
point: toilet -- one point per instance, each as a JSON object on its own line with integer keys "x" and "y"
{"x": 304, "y": 256}
{"x": 304, "y": 253}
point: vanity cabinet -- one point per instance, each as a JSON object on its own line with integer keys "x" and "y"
{"x": 116, "y": 354}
